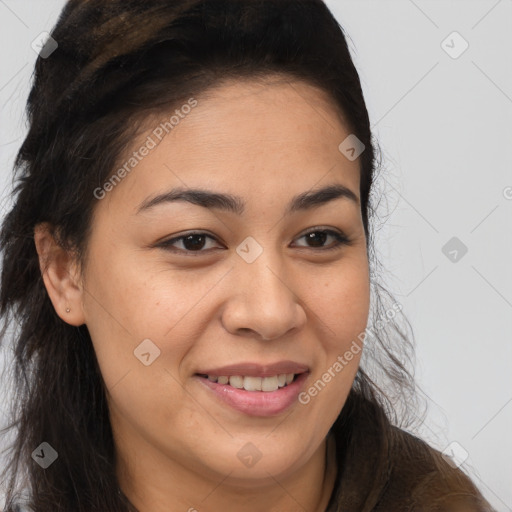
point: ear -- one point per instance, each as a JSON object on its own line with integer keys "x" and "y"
{"x": 60, "y": 274}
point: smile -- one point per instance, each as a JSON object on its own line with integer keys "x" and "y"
{"x": 255, "y": 396}
{"x": 250, "y": 383}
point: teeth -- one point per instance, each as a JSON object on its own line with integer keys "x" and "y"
{"x": 269, "y": 384}
{"x": 236, "y": 381}
{"x": 255, "y": 383}
{"x": 252, "y": 383}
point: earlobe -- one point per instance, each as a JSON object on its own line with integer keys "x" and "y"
{"x": 60, "y": 275}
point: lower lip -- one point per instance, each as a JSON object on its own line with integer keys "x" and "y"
{"x": 258, "y": 403}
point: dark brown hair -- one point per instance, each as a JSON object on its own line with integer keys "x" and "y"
{"x": 117, "y": 62}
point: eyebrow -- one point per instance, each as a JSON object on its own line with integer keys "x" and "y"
{"x": 234, "y": 204}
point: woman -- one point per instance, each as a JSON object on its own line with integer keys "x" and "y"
{"x": 190, "y": 261}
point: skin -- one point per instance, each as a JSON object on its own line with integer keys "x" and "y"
{"x": 177, "y": 444}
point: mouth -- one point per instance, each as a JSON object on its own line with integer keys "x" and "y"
{"x": 252, "y": 383}
{"x": 253, "y": 395}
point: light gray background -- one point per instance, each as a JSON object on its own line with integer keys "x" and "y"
{"x": 445, "y": 128}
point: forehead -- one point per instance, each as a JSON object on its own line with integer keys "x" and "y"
{"x": 282, "y": 111}
{"x": 253, "y": 137}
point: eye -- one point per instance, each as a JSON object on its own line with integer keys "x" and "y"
{"x": 190, "y": 242}
{"x": 318, "y": 237}
{"x": 196, "y": 242}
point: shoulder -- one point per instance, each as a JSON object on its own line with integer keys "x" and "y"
{"x": 423, "y": 480}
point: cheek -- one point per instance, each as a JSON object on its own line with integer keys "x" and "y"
{"x": 340, "y": 300}
{"x": 140, "y": 332}
{"x": 341, "y": 306}
{"x": 130, "y": 301}
{"x": 121, "y": 309}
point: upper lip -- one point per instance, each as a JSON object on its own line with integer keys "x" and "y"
{"x": 256, "y": 369}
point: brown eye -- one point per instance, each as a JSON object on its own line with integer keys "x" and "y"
{"x": 316, "y": 239}
{"x": 196, "y": 242}
{"x": 190, "y": 243}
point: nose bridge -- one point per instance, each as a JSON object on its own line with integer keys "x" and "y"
{"x": 261, "y": 270}
{"x": 264, "y": 300}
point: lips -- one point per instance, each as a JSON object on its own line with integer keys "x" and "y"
{"x": 256, "y": 389}
{"x": 254, "y": 402}
{"x": 250, "y": 369}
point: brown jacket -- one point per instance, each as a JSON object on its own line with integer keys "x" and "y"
{"x": 382, "y": 468}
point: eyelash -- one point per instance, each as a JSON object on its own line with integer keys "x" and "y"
{"x": 341, "y": 240}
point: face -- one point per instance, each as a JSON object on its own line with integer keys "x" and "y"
{"x": 272, "y": 280}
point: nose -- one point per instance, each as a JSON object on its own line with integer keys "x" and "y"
{"x": 262, "y": 300}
